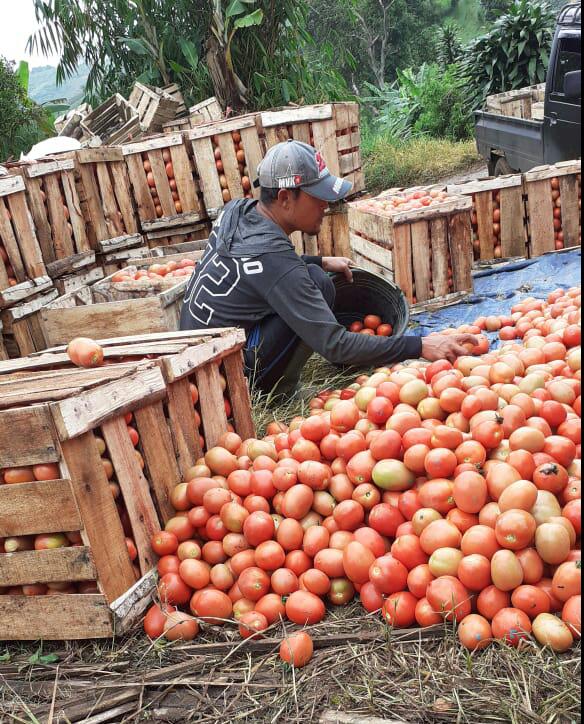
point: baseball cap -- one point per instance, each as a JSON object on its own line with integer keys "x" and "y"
{"x": 296, "y": 165}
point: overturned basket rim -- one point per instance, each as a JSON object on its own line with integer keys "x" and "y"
{"x": 370, "y": 294}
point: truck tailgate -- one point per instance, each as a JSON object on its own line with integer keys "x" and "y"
{"x": 520, "y": 140}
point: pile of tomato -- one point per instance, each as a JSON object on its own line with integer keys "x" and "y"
{"x": 372, "y": 325}
{"x": 430, "y": 492}
{"x": 178, "y": 270}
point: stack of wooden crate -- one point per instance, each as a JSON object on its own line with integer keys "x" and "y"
{"x": 133, "y": 429}
{"x": 154, "y": 106}
{"x": 114, "y": 122}
{"x": 427, "y": 252}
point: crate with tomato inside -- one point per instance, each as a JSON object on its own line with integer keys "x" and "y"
{"x": 554, "y": 200}
{"x": 21, "y": 260}
{"x": 332, "y": 128}
{"x": 165, "y": 190}
{"x": 227, "y": 154}
{"x": 498, "y": 217}
{"x": 421, "y": 240}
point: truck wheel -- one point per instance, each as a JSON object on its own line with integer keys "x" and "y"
{"x": 502, "y": 168}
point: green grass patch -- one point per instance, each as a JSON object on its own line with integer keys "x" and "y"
{"x": 415, "y": 162}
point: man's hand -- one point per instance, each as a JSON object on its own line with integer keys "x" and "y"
{"x": 437, "y": 347}
{"x": 338, "y": 265}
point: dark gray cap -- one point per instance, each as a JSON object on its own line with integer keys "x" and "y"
{"x": 296, "y": 165}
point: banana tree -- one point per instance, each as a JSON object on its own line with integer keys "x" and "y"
{"x": 229, "y": 88}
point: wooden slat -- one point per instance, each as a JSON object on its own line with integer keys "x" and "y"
{"x": 75, "y": 213}
{"x": 460, "y": 233}
{"x": 78, "y": 415}
{"x": 253, "y": 154}
{"x": 99, "y": 155}
{"x": 375, "y": 252}
{"x": 50, "y": 566}
{"x": 99, "y": 514}
{"x": 421, "y": 260}
{"x": 340, "y": 222}
{"x": 183, "y": 176}
{"x": 162, "y": 183}
{"x": 211, "y": 403}
{"x": 10, "y": 243}
{"x": 25, "y": 233}
{"x": 142, "y": 195}
{"x": 403, "y": 260}
{"x": 325, "y": 140}
{"x": 121, "y": 182}
{"x": 201, "y": 351}
{"x": 485, "y": 210}
{"x": 227, "y": 125}
{"x": 27, "y": 437}
{"x": 134, "y": 487}
{"x": 11, "y": 185}
{"x": 40, "y": 219}
{"x": 231, "y": 170}
{"x": 108, "y": 201}
{"x": 541, "y": 173}
{"x": 326, "y": 239}
{"x": 55, "y": 618}
{"x": 297, "y": 240}
{"x": 440, "y": 250}
{"x": 43, "y": 507}
{"x": 541, "y": 217}
{"x": 185, "y": 434}
{"x": 159, "y": 455}
{"x": 297, "y": 115}
{"x": 151, "y": 144}
{"x": 49, "y": 167}
{"x": 62, "y": 238}
{"x": 239, "y": 395}
{"x": 491, "y": 184}
{"x": 513, "y": 229}
{"x": 93, "y": 200}
{"x": 570, "y": 210}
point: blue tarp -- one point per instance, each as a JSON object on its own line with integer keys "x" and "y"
{"x": 497, "y": 290}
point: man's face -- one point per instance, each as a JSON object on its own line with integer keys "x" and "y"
{"x": 305, "y": 213}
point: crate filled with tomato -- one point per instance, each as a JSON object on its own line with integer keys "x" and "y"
{"x": 498, "y": 217}
{"x": 133, "y": 417}
{"x": 226, "y": 155}
{"x": 554, "y": 203}
{"x": 164, "y": 183}
{"x": 421, "y": 239}
{"x": 431, "y": 493}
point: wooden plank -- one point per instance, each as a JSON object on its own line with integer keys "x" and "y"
{"x": 239, "y": 395}
{"x": 325, "y": 140}
{"x": 99, "y": 513}
{"x": 421, "y": 260}
{"x": 135, "y": 316}
{"x": 201, "y": 351}
{"x": 541, "y": 173}
{"x": 461, "y": 203}
{"x": 231, "y": 170}
{"x": 40, "y": 219}
{"x": 121, "y": 183}
{"x": 297, "y": 240}
{"x": 375, "y": 252}
{"x": 55, "y": 618}
{"x": 541, "y": 217}
{"x": 172, "y": 224}
{"x": 207, "y": 171}
{"x": 159, "y": 456}
{"x": 152, "y": 144}
{"x": 216, "y": 128}
{"x": 75, "y": 214}
{"x": 162, "y": 183}
{"x": 570, "y": 210}
{"x": 211, "y": 403}
{"x": 513, "y": 229}
{"x": 93, "y": 201}
{"x": 301, "y": 132}
{"x": 10, "y": 244}
{"x": 99, "y": 155}
{"x": 86, "y": 411}
{"x": 440, "y": 252}
{"x": 185, "y": 433}
{"x": 485, "y": 210}
{"x": 4, "y": 282}
{"x": 23, "y": 291}
{"x": 491, "y": 184}
{"x": 108, "y": 202}
{"x": 460, "y": 234}
{"x": 310, "y": 245}
{"x": 49, "y": 566}
{"x": 297, "y": 115}
{"x": 11, "y": 185}
{"x": 253, "y": 155}
{"x": 183, "y": 176}
{"x": 135, "y": 490}
{"x": 142, "y": 195}
{"x": 43, "y": 168}
{"x": 341, "y": 241}
{"x": 41, "y": 507}
{"x": 403, "y": 260}
{"x": 25, "y": 233}
{"x": 27, "y": 437}
{"x": 326, "y": 239}
{"x": 62, "y": 238}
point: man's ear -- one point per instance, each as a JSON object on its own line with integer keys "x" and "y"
{"x": 284, "y": 197}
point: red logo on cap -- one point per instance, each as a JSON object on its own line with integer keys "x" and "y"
{"x": 321, "y": 162}
{"x": 297, "y": 180}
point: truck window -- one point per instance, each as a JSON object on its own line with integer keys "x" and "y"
{"x": 569, "y": 59}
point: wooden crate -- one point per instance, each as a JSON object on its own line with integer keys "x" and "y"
{"x": 167, "y": 203}
{"x": 106, "y": 199}
{"x": 554, "y": 196}
{"x": 518, "y": 103}
{"x": 178, "y": 235}
{"x": 333, "y": 239}
{"x": 56, "y": 208}
{"x": 332, "y": 128}
{"x": 68, "y": 414}
{"x": 22, "y": 331}
{"x": 224, "y": 177}
{"x": 114, "y": 122}
{"x": 417, "y": 248}
{"x": 154, "y": 107}
{"x": 498, "y": 216}
{"x": 210, "y": 109}
{"x": 21, "y": 258}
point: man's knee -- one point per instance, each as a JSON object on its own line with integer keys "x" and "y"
{"x": 324, "y": 282}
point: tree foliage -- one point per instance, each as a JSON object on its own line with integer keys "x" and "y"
{"x": 22, "y": 122}
{"x": 515, "y": 53}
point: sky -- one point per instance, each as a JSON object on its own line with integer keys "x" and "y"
{"x": 18, "y": 23}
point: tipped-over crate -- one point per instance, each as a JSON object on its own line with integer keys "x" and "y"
{"x": 166, "y": 193}
{"x": 554, "y": 197}
{"x": 427, "y": 252}
{"x": 133, "y": 429}
{"x": 114, "y": 122}
{"x": 209, "y": 109}
{"x": 498, "y": 216}
{"x": 154, "y": 107}
{"x": 227, "y": 155}
{"x": 21, "y": 258}
{"x": 332, "y": 128}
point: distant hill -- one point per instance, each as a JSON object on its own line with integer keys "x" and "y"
{"x": 43, "y": 85}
